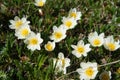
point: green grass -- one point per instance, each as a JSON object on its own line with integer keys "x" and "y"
{"x": 97, "y": 15}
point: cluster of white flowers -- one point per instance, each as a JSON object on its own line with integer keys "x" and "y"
{"x": 88, "y": 70}
{"x": 99, "y": 40}
{"x": 59, "y": 33}
{"x": 96, "y": 41}
{"x": 22, "y": 31}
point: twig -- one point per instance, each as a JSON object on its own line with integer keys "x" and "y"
{"x": 109, "y": 63}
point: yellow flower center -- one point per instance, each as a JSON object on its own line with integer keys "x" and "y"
{"x": 81, "y": 49}
{"x": 111, "y": 46}
{"x": 68, "y": 23}
{"x": 58, "y": 35}
{"x": 63, "y": 62}
{"x": 96, "y": 42}
{"x": 33, "y": 41}
{"x": 25, "y": 32}
{"x": 41, "y": 3}
{"x": 89, "y": 72}
{"x": 73, "y": 14}
{"x": 18, "y": 23}
{"x": 49, "y": 47}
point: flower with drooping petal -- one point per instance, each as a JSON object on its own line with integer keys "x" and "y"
{"x": 75, "y": 14}
{"x": 95, "y": 39}
{"x": 17, "y": 22}
{"x": 61, "y": 63}
{"x": 105, "y": 75}
{"x": 110, "y": 44}
{"x": 87, "y": 71}
{"x": 50, "y": 46}
{"x": 69, "y": 23}
{"x": 59, "y": 33}
{"x": 80, "y": 49}
{"x": 118, "y": 70}
{"x": 40, "y": 3}
{"x": 34, "y": 41}
{"x": 23, "y": 32}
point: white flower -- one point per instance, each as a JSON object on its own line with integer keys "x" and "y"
{"x": 50, "y": 46}
{"x": 23, "y": 32}
{"x": 110, "y": 44}
{"x": 95, "y": 39}
{"x": 34, "y": 41}
{"x": 61, "y": 63}
{"x": 17, "y": 22}
{"x": 40, "y": 3}
{"x": 105, "y": 75}
{"x": 75, "y": 14}
{"x": 59, "y": 33}
{"x": 69, "y": 23}
{"x": 87, "y": 71}
{"x": 80, "y": 49}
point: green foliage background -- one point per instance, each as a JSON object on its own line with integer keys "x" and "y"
{"x": 97, "y": 15}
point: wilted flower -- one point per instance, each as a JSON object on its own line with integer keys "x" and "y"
{"x": 105, "y": 75}
{"x": 110, "y": 44}
{"x": 17, "y": 22}
{"x": 34, "y": 41}
{"x": 69, "y": 23}
{"x": 75, "y": 14}
{"x": 61, "y": 63}
{"x": 95, "y": 39}
{"x": 40, "y": 3}
{"x": 80, "y": 49}
{"x": 24, "y": 58}
{"x": 59, "y": 33}
{"x": 87, "y": 71}
{"x": 50, "y": 46}
{"x": 23, "y": 32}
{"x": 118, "y": 70}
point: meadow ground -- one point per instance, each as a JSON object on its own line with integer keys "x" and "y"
{"x": 17, "y": 62}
